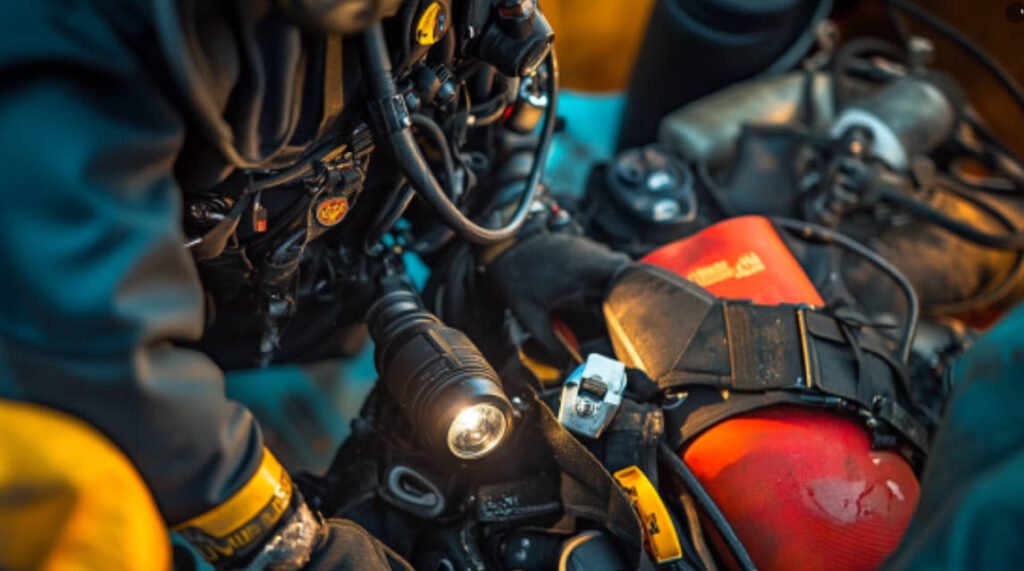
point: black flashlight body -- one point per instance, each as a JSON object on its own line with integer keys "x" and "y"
{"x": 432, "y": 371}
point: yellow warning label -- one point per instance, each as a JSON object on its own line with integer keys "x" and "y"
{"x": 745, "y": 266}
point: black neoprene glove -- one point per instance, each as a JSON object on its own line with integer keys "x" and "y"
{"x": 552, "y": 273}
{"x": 346, "y": 546}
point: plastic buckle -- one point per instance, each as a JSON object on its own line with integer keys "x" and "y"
{"x": 659, "y": 531}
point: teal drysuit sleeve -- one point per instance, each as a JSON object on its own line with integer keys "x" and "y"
{"x": 971, "y": 512}
{"x": 95, "y": 284}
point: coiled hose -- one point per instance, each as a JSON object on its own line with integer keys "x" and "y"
{"x": 399, "y": 139}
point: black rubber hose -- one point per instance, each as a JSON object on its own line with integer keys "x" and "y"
{"x": 689, "y": 481}
{"x": 377, "y": 63}
{"x": 851, "y": 52}
{"x": 963, "y": 42}
{"x": 918, "y": 209}
{"x": 435, "y": 132}
{"x": 993, "y": 294}
{"x": 399, "y": 196}
{"x": 410, "y": 159}
{"x": 491, "y": 118}
{"x": 809, "y": 230}
{"x": 998, "y": 148}
{"x": 803, "y": 42}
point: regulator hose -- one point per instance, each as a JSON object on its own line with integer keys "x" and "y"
{"x": 803, "y": 43}
{"x": 1009, "y": 241}
{"x": 393, "y": 127}
{"x": 1005, "y": 79}
{"x": 434, "y": 131}
{"x": 689, "y": 481}
{"x": 808, "y": 230}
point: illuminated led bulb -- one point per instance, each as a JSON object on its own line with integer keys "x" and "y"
{"x": 476, "y": 430}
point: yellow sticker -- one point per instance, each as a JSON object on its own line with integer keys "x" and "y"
{"x": 432, "y": 25}
{"x": 331, "y": 211}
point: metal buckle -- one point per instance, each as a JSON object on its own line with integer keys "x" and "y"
{"x": 591, "y": 395}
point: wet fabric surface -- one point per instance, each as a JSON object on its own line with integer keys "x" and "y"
{"x": 971, "y": 512}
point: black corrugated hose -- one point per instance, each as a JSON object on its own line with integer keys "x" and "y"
{"x": 689, "y": 481}
{"x": 394, "y": 129}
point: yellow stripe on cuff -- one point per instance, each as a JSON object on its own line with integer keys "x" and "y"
{"x": 245, "y": 517}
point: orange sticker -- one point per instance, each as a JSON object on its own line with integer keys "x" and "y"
{"x": 331, "y": 211}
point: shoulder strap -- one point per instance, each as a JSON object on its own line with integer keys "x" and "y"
{"x": 748, "y": 356}
{"x": 588, "y": 490}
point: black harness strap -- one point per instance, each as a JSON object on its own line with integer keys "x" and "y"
{"x": 588, "y": 490}
{"x": 632, "y": 438}
{"x": 738, "y": 357}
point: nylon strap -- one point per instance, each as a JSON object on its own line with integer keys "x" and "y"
{"x": 748, "y": 356}
{"x": 801, "y": 354}
{"x": 588, "y": 490}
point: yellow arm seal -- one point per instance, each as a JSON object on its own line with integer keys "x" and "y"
{"x": 659, "y": 531}
{"x": 243, "y": 521}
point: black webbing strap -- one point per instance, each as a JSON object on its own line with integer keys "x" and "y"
{"x": 588, "y": 490}
{"x": 742, "y": 356}
{"x": 761, "y": 341}
{"x": 689, "y": 420}
{"x": 632, "y": 438}
{"x": 780, "y": 354}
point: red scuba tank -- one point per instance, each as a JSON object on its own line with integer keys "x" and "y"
{"x": 801, "y": 486}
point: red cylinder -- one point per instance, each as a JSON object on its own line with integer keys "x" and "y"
{"x": 804, "y": 490}
{"x": 801, "y": 486}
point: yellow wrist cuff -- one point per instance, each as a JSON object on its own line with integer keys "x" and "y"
{"x": 246, "y": 518}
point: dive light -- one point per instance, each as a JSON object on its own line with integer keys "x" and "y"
{"x": 450, "y": 394}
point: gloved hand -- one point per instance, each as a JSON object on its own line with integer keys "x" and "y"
{"x": 267, "y": 525}
{"x": 551, "y": 272}
{"x": 306, "y": 542}
{"x": 345, "y": 545}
